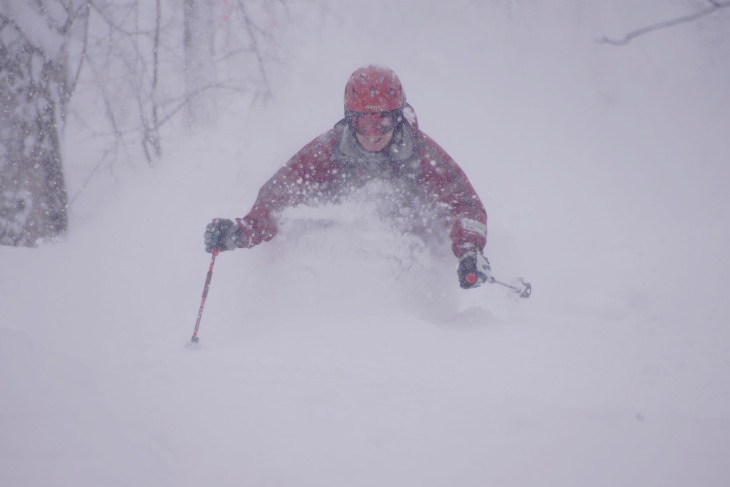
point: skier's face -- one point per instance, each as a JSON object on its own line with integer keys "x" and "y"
{"x": 374, "y": 130}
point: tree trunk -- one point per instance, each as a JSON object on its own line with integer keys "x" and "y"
{"x": 200, "y": 72}
{"x": 33, "y": 199}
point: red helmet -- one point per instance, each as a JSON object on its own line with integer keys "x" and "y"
{"x": 374, "y": 89}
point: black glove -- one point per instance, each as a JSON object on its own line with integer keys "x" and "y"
{"x": 222, "y": 234}
{"x": 473, "y": 270}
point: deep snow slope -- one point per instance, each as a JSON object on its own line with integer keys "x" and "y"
{"x": 342, "y": 353}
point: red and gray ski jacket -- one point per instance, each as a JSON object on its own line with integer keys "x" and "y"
{"x": 425, "y": 190}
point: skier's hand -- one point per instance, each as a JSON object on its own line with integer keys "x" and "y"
{"x": 222, "y": 234}
{"x": 474, "y": 270}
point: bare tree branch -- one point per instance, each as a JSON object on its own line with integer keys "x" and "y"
{"x": 252, "y": 29}
{"x": 715, "y": 7}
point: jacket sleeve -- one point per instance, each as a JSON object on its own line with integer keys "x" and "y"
{"x": 445, "y": 181}
{"x": 306, "y": 178}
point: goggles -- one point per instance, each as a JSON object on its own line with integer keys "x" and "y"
{"x": 376, "y": 123}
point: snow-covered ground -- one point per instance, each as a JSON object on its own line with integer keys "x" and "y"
{"x": 344, "y": 355}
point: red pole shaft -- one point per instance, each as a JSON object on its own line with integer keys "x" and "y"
{"x": 213, "y": 253}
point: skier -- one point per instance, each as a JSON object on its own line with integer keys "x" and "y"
{"x": 377, "y": 144}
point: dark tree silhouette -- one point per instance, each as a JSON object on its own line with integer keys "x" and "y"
{"x": 34, "y": 91}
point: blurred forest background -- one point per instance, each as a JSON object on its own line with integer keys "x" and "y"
{"x": 119, "y": 79}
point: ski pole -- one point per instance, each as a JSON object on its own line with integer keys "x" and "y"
{"x": 213, "y": 254}
{"x": 524, "y": 291}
